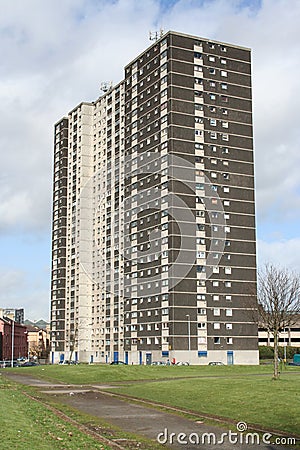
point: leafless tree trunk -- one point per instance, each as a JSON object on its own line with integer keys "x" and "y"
{"x": 278, "y": 297}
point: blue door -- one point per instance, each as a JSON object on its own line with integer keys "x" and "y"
{"x": 141, "y": 358}
{"x": 126, "y": 357}
{"x": 230, "y": 358}
{"x": 116, "y": 356}
{"x": 148, "y": 359}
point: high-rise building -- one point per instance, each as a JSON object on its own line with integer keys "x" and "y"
{"x": 154, "y": 251}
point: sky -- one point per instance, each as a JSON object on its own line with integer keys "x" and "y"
{"x": 56, "y": 54}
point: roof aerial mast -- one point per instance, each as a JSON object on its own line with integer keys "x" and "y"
{"x": 155, "y": 35}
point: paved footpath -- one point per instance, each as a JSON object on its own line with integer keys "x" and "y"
{"x": 146, "y": 421}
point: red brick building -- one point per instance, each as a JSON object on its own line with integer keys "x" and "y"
{"x": 9, "y": 329}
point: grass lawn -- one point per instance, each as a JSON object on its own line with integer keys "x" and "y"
{"x": 241, "y": 393}
{"x": 26, "y": 424}
{"x": 255, "y": 400}
{"x": 91, "y": 374}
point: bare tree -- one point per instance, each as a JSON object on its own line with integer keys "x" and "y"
{"x": 278, "y": 298}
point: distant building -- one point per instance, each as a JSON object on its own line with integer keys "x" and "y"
{"x": 38, "y": 341}
{"x": 14, "y": 314}
{"x": 290, "y": 336}
{"x": 11, "y": 330}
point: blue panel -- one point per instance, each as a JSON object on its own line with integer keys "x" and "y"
{"x": 116, "y": 356}
{"x": 141, "y": 358}
{"x": 202, "y": 354}
{"x": 165, "y": 354}
{"x": 230, "y": 358}
{"x": 126, "y": 357}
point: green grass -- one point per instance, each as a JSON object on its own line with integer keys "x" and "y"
{"x": 255, "y": 400}
{"x": 26, "y": 424}
{"x": 241, "y": 393}
{"x": 91, "y": 374}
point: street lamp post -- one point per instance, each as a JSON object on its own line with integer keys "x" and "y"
{"x": 284, "y": 348}
{"x": 12, "y": 342}
{"x": 189, "y": 333}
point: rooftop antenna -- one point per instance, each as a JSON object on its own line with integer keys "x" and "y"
{"x": 106, "y": 86}
{"x": 155, "y": 35}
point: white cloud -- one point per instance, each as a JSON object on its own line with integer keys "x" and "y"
{"x": 20, "y": 289}
{"x": 55, "y": 54}
{"x": 283, "y": 253}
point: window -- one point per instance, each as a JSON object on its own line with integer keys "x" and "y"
{"x": 227, "y": 283}
{"x": 198, "y": 80}
{"x": 223, "y": 61}
{"x": 225, "y": 111}
{"x": 212, "y": 96}
{"x": 198, "y": 68}
{"x": 197, "y": 55}
{"x": 225, "y": 150}
{"x": 225, "y": 124}
{"x": 223, "y": 49}
{"x": 213, "y": 135}
{"x": 228, "y": 298}
{"x": 226, "y": 176}
{"x": 228, "y": 326}
{"x": 213, "y": 122}
{"x": 224, "y": 73}
{"x": 201, "y": 311}
{"x": 202, "y": 325}
{"x": 227, "y": 229}
{"x": 229, "y": 340}
{"x": 215, "y": 283}
{"x": 225, "y": 137}
{"x": 216, "y": 269}
{"x": 228, "y": 312}
{"x": 213, "y": 161}
{"x": 226, "y": 202}
{"x": 217, "y": 340}
{"x": 216, "y": 297}
{"x": 212, "y": 84}
{"x": 212, "y": 71}
{"x": 213, "y": 174}
{"x": 216, "y": 311}
{"x": 212, "y": 109}
{"x": 217, "y": 326}
{"x": 228, "y": 270}
{"x": 212, "y": 58}
{"x": 224, "y": 86}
